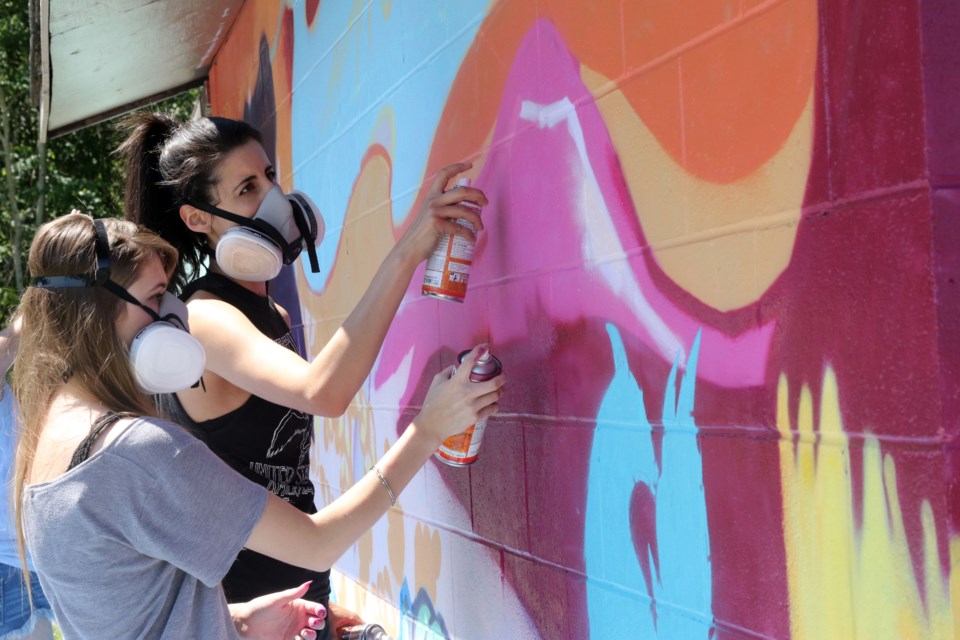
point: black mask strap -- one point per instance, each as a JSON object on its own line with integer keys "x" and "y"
{"x": 256, "y": 225}
{"x": 308, "y": 232}
{"x": 125, "y": 295}
{"x": 100, "y": 278}
{"x": 101, "y": 275}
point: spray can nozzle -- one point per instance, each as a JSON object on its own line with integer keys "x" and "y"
{"x": 363, "y": 632}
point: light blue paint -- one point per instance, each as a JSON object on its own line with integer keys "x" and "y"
{"x": 622, "y": 455}
{"x": 347, "y": 71}
{"x": 420, "y": 621}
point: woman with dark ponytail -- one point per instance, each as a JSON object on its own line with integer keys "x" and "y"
{"x": 154, "y": 201}
{"x": 207, "y": 187}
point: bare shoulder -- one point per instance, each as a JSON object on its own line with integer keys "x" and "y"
{"x": 208, "y": 309}
{"x": 202, "y": 294}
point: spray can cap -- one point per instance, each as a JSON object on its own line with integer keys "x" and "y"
{"x": 486, "y": 366}
{"x": 463, "y": 182}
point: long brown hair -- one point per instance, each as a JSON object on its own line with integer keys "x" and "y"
{"x": 70, "y": 333}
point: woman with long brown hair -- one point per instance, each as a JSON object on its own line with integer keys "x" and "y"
{"x": 131, "y": 521}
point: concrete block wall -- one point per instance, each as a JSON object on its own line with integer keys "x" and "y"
{"x": 719, "y": 266}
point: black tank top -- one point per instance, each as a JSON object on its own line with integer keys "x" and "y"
{"x": 266, "y": 443}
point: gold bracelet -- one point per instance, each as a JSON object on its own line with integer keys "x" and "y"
{"x": 386, "y": 485}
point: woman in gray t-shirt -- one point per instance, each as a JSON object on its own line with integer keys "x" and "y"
{"x": 132, "y": 525}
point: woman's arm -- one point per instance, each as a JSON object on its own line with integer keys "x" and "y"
{"x": 317, "y": 541}
{"x": 240, "y": 354}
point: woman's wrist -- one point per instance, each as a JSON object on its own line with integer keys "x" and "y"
{"x": 402, "y": 257}
{"x": 425, "y": 440}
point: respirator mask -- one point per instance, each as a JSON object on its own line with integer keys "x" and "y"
{"x": 282, "y": 227}
{"x": 164, "y": 356}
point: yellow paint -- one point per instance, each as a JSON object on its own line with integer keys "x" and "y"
{"x": 847, "y": 581}
{"x": 396, "y": 543}
{"x": 725, "y": 243}
{"x": 366, "y": 240}
{"x": 428, "y": 553}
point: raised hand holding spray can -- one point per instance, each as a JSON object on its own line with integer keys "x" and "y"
{"x": 448, "y": 267}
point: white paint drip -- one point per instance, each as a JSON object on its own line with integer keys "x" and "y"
{"x": 600, "y": 237}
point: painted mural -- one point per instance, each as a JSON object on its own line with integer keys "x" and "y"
{"x": 707, "y": 269}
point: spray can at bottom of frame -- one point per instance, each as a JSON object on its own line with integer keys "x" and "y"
{"x": 463, "y": 448}
{"x": 363, "y": 632}
{"x": 448, "y": 267}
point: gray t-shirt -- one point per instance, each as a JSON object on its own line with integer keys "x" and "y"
{"x": 133, "y": 542}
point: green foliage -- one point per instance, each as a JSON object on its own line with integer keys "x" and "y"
{"x": 81, "y": 170}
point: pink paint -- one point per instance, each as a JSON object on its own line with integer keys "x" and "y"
{"x": 537, "y": 234}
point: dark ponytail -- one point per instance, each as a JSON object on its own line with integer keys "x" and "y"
{"x": 168, "y": 163}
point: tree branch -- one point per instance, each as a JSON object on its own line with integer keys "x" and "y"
{"x": 5, "y": 142}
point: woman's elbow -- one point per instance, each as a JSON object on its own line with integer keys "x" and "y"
{"x": 328, "y": 406}
{"x": 312, "y": 555}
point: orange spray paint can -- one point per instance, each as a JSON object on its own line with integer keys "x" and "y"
{"x": 463, "y": 448}
{"x": 448, "y": 267}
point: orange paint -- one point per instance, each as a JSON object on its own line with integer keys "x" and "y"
{"x": 232, "y": 82}
{"x": 720, "y": 85}
{"x": 719, "y": 88}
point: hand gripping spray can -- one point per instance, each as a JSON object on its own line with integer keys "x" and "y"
{"x": 448, "y": 267}
{"x": 363, "y": 632}
{"x": 463, "y": 448}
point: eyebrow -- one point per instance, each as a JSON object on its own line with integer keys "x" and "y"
{"x": 266, "y": 169}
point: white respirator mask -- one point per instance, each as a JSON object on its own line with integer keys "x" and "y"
{"x": 283, "y": 226}
{"x": 164, "y": 356}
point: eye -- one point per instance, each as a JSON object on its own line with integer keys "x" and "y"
{"x": 271, "y": 175}
{"x": 246, "y": 189}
